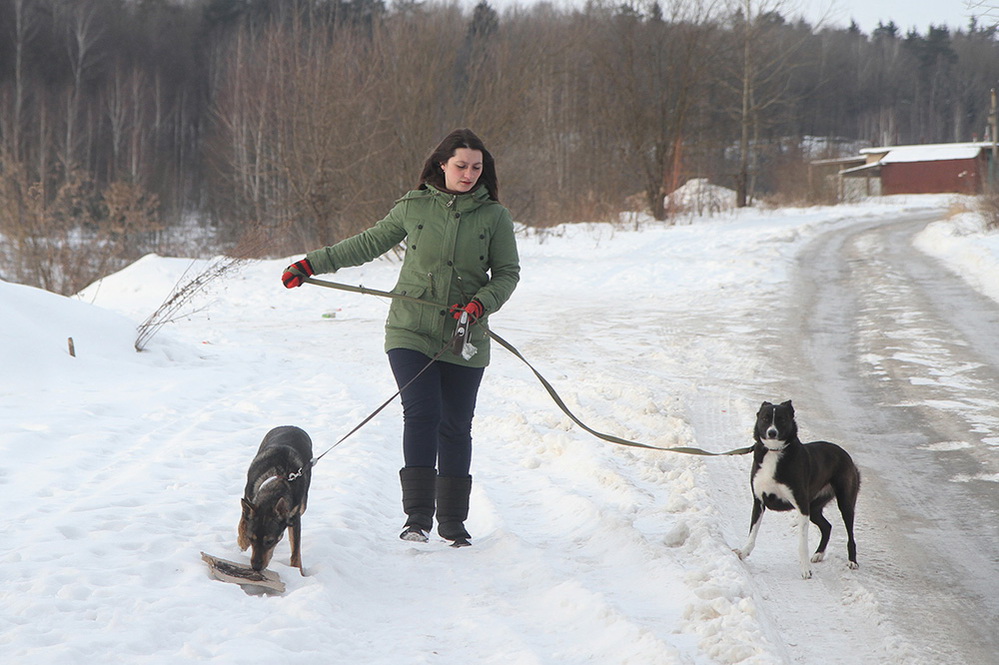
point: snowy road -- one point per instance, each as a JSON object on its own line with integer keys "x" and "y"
{"x": 118, "y": 468}
{"x": 886, "y": 351}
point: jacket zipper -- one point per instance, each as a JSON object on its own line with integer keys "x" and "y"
{"x": 433, "y": 293}
{"x": 448, "y": 204}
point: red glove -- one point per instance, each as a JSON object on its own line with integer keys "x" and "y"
{"x": 475, "y": 310}
{"x": 296, "y": 273}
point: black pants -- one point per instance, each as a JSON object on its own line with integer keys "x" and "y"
{"x": 437, "y": 411}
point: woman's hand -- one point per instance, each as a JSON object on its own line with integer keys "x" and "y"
{"x": 474, "y": 309}
{"x": 295, "y": 274}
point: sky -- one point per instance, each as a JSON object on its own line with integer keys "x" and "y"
{"x": 906, "y": 14}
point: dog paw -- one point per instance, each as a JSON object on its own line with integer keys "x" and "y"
{"x": 818, "y": 556}
{"x": 806, "y": 573}
{"x": 853, "y": 565}
{"x": 742, "y": 555}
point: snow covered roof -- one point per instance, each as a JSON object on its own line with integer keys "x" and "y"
{"x": 928, "y": 153}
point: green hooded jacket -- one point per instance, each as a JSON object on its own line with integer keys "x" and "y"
{"x": 458, "y": 247}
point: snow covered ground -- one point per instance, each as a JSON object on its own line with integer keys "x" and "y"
{"x": 118, "y": 468}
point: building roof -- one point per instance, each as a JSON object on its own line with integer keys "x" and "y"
{"x": 934, "y": 152}
{"x": 862, "y": 170}
{"x": 837, "y": 160}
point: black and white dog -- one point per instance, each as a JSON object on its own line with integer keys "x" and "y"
{"x": 790, "y": 475}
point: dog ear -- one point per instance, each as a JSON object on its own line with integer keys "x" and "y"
{"x": 243, "y": 534}
{"x": 763, "y": 406}
{"x": 789, "y": 406}
{"x": 248, "y": 508}
{"x": 282, "y": 509}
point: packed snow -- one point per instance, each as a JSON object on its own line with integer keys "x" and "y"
{"x": 119, "y": 468}
{"x": 699, "y": 196}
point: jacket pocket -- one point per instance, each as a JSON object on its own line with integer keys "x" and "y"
{"x": 406, "y": 314}
{"x": 411, "y": 289}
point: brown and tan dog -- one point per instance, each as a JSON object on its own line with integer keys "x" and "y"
{"x": 276, "y": 494}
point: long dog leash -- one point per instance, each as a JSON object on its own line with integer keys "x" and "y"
{"x": 451, "y": 345}
{"x": 448, "y": 347}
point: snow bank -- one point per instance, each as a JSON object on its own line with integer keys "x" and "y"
{"x": 699, "y": 196}
{"x": 963, "y": 243}
{"x": 35, "y": 333}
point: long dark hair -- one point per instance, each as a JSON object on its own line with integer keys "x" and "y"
{"x": 460, "y": 138}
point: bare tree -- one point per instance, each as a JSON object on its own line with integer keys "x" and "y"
{"x": 83, "y": 32}
{"x": 546, "y": 161}
{"x": 652, "y": 68}
{"x": 116, "y": 109}
{"x": 25, "y": 25}
{"x": 242, "y": 99}
{"x": 303, "y": 127}
{"x": 768, "y": 52}
{"x": 409, "y": 46}
{"x": 984, "y": 11}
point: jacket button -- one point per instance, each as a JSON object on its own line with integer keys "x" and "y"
{"x": 482, "y": 237}
{"x": 443, "y": 312}
{"x": 450, "y": 263}
{"x": 482, "y": 258}
{"x": 420, "y": 226}
{"x": 457, "y": 215}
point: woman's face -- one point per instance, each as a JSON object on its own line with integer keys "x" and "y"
{"x": 462, "y": 171}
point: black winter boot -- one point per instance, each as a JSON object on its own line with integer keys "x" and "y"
{"x": 418, "y": 491}
{"x": 452, "y": 509}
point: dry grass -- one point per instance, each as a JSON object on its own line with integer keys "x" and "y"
{"x": 178, "y": 303}
{"x": 988, "y": 208}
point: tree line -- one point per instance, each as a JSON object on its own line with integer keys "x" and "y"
{"x": 280, "y": 125}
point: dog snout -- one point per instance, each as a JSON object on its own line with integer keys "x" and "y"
{"x": 259, "y": 558}
{"x": 771, "y": 432}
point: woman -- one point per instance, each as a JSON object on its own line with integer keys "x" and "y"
{"x": 461, "y": 257}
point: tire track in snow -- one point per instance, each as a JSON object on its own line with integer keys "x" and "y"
{"x": 877, "y": 353}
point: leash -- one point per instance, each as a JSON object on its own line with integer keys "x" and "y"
{"x": 686, "y": 450}
{"x": 448, "y": 347}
